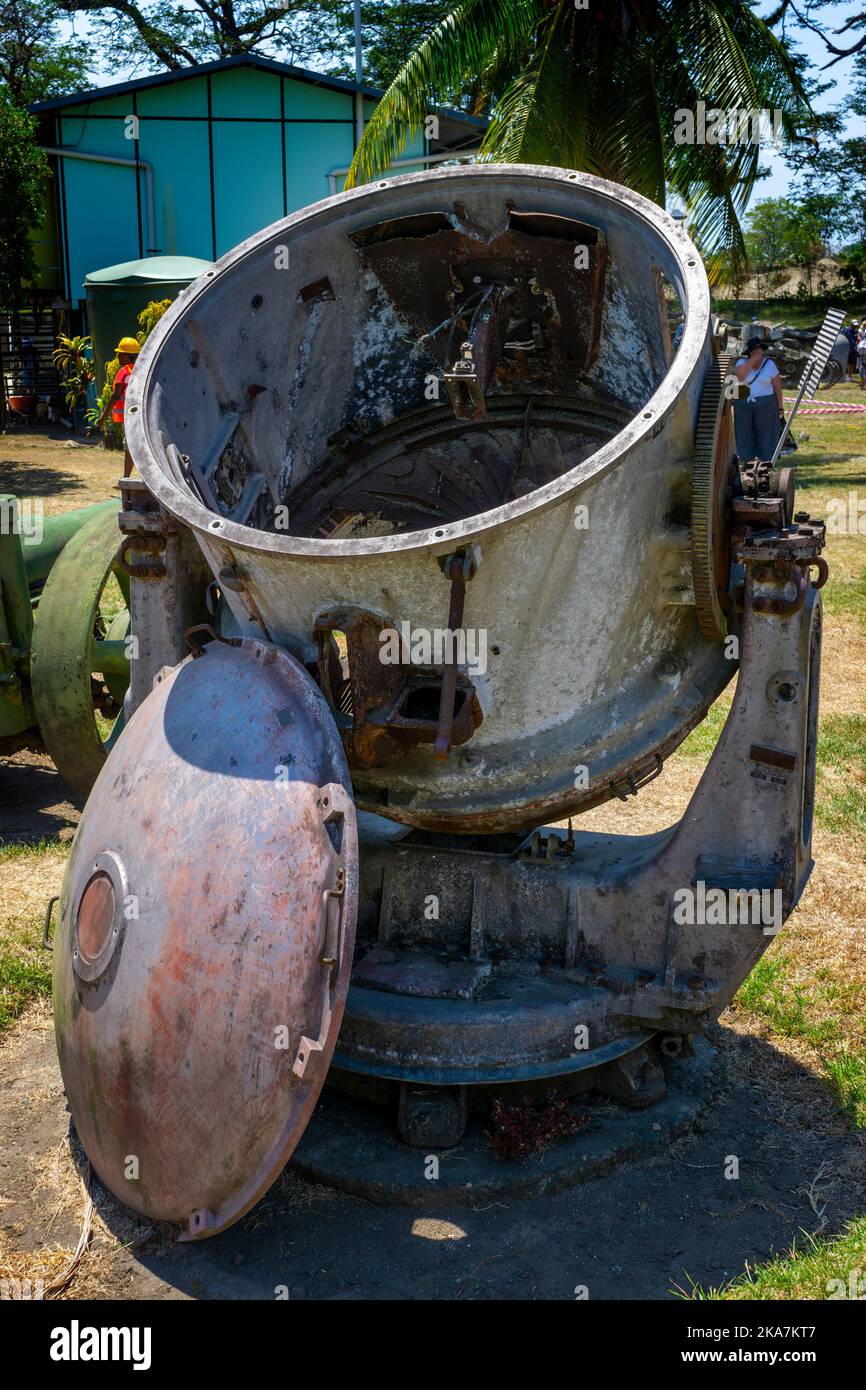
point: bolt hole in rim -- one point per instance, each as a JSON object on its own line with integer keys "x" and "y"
{"x": 680, "y": 265}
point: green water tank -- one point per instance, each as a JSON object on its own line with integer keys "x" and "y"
{"x": 117, "y": 295}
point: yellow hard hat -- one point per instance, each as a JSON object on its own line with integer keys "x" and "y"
{"x": 131, "y": 345}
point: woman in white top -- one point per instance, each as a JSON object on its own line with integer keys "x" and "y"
{"x": 758, "y": 419}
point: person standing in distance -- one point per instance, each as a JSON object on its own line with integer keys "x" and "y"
{"x": 127, "y": 351}
{"x": 758, "y": 420}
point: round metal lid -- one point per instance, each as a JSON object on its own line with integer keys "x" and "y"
{"x": 208, "y": 923}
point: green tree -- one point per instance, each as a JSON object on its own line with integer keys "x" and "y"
{"x": 770, "y": 232}
{"x": 838, "y": 163}
{"x": 796, "y": 231}
{"x": 161, "y": 33}
{"x": 825, "y": 212}
{"x": 23, "y": 172}
{"x": 602, "y": 89}
{"x": 808, "y": 245}
{"x": 833, "y": 162}
{"x": 35, "y": 62}
{"x": 852, "y": 259}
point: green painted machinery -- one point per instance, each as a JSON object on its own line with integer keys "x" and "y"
{"x": 64, "y": 622}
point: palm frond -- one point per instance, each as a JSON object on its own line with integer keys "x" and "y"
{"x": 629, "y": 133}
{"x": 536, "y": 119}
{"x": 474, "y": 35}
{"x": 723, "y": 55}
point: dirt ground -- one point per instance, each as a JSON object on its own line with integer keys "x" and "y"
{"x": 639, "y": 1232}
{"x": 643, "y": 1230}
{"x": 60, "y": 469}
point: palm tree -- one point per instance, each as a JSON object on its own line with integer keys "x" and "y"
{"x": 599, "y": 89}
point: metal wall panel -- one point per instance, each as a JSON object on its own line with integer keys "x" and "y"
{"x": 101, "y": 200}
{"x": 248, "y": 185}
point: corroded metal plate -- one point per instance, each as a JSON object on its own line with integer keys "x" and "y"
{"x": 571, "y": 492}
{"x": 208, "y": 921}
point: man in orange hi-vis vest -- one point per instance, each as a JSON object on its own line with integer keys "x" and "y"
{"x": 127, "y": 350}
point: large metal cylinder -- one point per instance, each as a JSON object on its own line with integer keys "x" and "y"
{"x": 298, "y": 375}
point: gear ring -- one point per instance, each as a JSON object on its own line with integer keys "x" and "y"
{"x": 710, "y": 542}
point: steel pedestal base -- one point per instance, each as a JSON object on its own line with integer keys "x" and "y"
{"x": 354, "y": 1145}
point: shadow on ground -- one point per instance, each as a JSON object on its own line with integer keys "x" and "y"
{"x": 31, "y": 480}
{"x": 633, "y": 1233}
{"x": 35, "y": 802}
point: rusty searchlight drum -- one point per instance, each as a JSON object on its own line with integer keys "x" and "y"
{"x": 437, "y": 541}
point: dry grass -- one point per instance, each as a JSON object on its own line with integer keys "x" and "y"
{"x": 29, "y": 877}
{"x": 63, "y": 1196}
{"x": 91, "y": 1267}
{"x": 62, "y": 472}
{"x": 808, "y": 993}
{"x": 843, "y": 687}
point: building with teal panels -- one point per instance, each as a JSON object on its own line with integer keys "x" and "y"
{"x": 190, "y": 162}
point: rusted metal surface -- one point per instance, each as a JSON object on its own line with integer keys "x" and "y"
{"x": 712, "y": 486}
{"x": 783, "y": 557}
{"x": 765, "y": 495}
{"x": 206, "y": 937}
{"x": 381, "y": 480}
{"x": 456, "y": 569}
{"x": 164, "y": 604}
{"x": 432, "y": 468}
{"x": 506, "y": 294}
{"x": 143, "y": 544}
{"x": 383, "y": 709}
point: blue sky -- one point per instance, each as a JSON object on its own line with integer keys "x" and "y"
{"x": 776, "y": 185}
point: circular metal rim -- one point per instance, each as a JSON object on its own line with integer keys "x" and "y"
{"x": 111, "y": 865}
{"x": 644, "y": 424}
{"x": 545, "y": 1069}
{"x": 83, "y": 1011}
